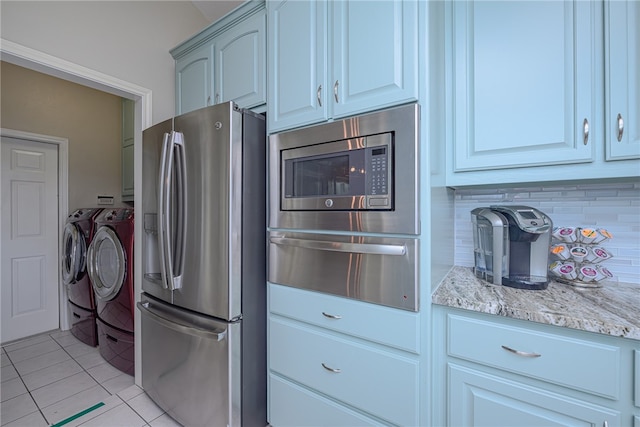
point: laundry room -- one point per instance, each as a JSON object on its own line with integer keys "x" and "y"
{"x": 80, "y": 130}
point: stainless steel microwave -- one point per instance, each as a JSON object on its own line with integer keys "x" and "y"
{"x": 356, "y": 174}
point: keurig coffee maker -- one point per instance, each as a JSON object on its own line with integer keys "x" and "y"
{"x": 511, "y": 246}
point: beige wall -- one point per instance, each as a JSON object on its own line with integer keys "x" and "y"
{"x": 90, "y": 119}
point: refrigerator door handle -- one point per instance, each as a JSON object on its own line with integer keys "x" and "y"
{"x": 146, "y": 308}
{"x": 164, "y": 180}
{"x": 172, "y": 250}
{"x": 177, "y": 247}
{"x": 363, "y": 248}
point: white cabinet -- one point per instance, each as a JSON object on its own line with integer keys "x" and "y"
{"x": 335, "y": 361}
{"x": 128, "y": 123}
{"x": 224, "y": 62}
{"x": 336, "y": 59}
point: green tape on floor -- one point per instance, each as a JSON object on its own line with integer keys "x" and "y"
{"x": 78, "y": 415}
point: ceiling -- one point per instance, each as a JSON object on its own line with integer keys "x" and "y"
{"x": 212, "y": 10}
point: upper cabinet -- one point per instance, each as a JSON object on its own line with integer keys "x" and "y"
{"x": 194, "y": 79}
{"x": 523, "y": 91}
{"x": 225, "y": 62}
{"x": 528, "y": 91}
{"x": 336, "y": 59}
{"x": 622, "y": 91}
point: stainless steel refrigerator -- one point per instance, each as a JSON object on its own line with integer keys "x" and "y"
{"x": 203, "y": 306}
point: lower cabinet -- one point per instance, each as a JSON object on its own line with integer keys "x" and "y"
{"x": 327, "y": 376}
{"x": 492, "y": 370}
{"x": 480, "y": 399}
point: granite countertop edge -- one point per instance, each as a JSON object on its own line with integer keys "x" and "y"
{"x": 610, "y": 310}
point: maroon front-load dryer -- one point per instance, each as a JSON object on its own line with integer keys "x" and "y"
{"x": 76, "y": 238}
{"x": 110, "y": 267}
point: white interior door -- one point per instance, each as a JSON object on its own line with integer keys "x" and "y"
{"x": 30, "y": 227}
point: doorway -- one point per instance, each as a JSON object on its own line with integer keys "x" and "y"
{"x": 33, "y": 170}
{"x": 48, "y": 64}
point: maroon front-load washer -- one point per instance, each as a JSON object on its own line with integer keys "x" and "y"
{"x": 110, "y": 266}
{"x": 76, "y": 238}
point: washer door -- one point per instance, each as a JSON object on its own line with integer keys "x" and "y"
{"x": 74, "y": 254}
{"x": 106, "y": 263}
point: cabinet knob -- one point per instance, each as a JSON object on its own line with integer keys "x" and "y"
{"x": 335, "y": 91}
{"x": 620, "y": 127}
{"x": 585, "y": 131}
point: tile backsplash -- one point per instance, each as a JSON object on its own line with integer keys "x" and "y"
{"x": 614, "y": 207}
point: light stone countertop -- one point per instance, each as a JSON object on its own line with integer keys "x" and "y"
{"x": 613, "y": 309}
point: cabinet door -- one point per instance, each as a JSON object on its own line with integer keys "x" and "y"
{"x": 523, "y": 85}
{"x": 622, "y": 91}
{"x": 240, "y": 63}
{"x": 193, "y": 79}
{"x": 479, "y": 399}
{"x": 375, "y": 51}
{"x": 297, "y": 63}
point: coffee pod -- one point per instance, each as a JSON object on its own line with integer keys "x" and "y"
{"x": 597, "y": 254}
{"x": 587, "y": 235}
{"x": 578, "y": 253}
{"x": 604, "y": 271}
{"x": 588, "y": 273}
{"x": 566, "y": 270}
{"x": 561, "y": 251}
{"x": 602, "y": 235}
{"x": 566, "y": 234}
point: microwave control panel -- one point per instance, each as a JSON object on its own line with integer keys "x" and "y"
{"x": 378, "y": 183}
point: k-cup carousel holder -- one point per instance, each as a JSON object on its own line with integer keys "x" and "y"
{"x": 577, "y": 256}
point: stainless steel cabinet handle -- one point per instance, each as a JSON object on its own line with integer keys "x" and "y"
{"x": 331, "y": 316}
{"x": 146, "y": 308}
{"x": 335, "y": 91}
{"x": 364, "y": 248}
{"x": 318, "y": 93}
{"x": 521, "y": 353}
{"x": 605, "y": 424}
{"x": 620, "y": 127}
{"x": 209, "y": 100}
{"x": 334, "y": 370}
{"x": 585, "y": 128}
{"x": 217, "y": 98}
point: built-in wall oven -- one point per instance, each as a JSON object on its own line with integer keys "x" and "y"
{"x": 344, "y": 207}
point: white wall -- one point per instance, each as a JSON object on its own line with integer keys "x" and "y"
{"x": 128, "y": 40}
{"x": 613, "y": 206}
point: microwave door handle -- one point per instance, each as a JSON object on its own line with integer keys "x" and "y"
{"x": 322, "y": 245}
{"x": 163, "y": 183}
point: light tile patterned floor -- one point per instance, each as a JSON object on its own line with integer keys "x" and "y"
{"x": 51, "y": 377}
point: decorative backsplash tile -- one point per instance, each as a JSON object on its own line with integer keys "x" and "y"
{"x": 613, "y": 206}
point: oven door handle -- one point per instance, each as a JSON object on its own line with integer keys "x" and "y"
{"x": 322, "y": 245}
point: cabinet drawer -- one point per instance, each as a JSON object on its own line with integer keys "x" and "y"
{"x": 378, "y": 382}
{"x": 292, "y": 405}
{"x": 584, "y": 365}
{"x": 384, "y": 325}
